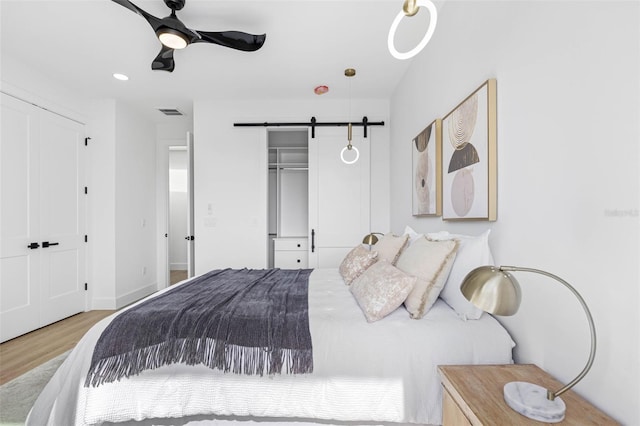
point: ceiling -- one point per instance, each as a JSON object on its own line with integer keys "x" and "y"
{"x": 81, "y": 43}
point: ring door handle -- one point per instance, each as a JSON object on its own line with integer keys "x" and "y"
{"x": 33, "y": 246}
{"x": 46, "y": 244}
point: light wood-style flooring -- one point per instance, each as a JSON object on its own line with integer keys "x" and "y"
{"x": 177, "y": 275}
{"x": 19, "y": 355}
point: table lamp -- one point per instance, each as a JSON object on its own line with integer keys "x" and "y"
{"x": 496, "y": 291}
{"x": 371, "y": 239}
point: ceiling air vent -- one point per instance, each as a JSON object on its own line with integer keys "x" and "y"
{"x": 170, "y": 111}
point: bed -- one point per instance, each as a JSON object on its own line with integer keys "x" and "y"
{"x": 363, "y": 372}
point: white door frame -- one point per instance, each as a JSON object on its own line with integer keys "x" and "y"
{"x": 191, "y": 266}
{"x": 162, "y": 208}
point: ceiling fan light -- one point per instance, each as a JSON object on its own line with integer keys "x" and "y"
{"x": 172, "y": 39}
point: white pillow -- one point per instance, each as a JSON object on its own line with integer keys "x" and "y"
{"x": 430, "y": 262}
{"x": 413, "y": 235}
{"x": 390, "y": 246}
{"x": 473, "y": 251}
{"x": 381, "y": 289}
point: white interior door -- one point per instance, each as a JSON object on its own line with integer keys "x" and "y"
{"x": 339, "y": 195}
{"x": 19, "y": 225}
{"x": 62, "y": 217}
{"x": 42, "y": 249}
{"x": 190, "y": 223}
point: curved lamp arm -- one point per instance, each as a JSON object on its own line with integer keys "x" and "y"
{"x": 550, "y": 394}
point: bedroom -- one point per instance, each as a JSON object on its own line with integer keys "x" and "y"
{"x": 566, "y": 209}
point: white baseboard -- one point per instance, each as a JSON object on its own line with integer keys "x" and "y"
{"x": 111, "y": 303}
{"x": 136, "y": 295}
{"x": 104, "y": 303}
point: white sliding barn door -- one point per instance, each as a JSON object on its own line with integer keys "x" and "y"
{"x": 42, "y": 252}
{"x": 339, "y": 195}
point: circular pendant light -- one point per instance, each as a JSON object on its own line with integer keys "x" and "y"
{"x": 410, "y": 11}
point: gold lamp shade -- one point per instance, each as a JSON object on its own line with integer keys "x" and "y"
{"x": 371, "y": 239}
{"x": 492, "y": 290}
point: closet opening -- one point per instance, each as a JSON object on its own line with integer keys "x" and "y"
{"x": 288, "y": 198}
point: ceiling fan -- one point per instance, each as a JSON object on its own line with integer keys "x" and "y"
{"x": 173, "y": 34}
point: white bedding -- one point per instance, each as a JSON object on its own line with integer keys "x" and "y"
{"x": 384, "y": 371}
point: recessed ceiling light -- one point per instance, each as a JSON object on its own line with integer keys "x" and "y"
{"x": 119, "y": 76}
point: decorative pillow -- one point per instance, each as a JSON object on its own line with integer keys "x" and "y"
{"x": 356, "y": 262}
{"x": 413, "y": 235}
{"x": 390, "y": 246}
{"x": 381, "y": 289}
{"x": 430, "y": 262}
{"x": 473, "y": 251}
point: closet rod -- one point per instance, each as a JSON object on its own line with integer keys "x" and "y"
{"x": 313, "y": 124}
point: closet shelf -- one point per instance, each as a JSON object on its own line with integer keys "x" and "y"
{"x": 289, "y": 166}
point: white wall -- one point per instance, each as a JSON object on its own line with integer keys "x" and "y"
{"x": 231, "y": 173}
{"x": 100, "y": 209}
{"x": 30, "y": 84}
{"x": 568, "y": 183}
{"x": 122, "y": 199}
{"x": 135, "y": 203}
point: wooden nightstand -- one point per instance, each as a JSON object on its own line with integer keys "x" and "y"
{"x": 472, "y": 395}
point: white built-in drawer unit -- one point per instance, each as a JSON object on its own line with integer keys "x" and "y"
{"x": 290, "y": 253}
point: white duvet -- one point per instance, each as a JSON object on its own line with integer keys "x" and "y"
{"x": 375, "y": 372}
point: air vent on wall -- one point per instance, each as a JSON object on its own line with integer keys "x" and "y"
{"x": 170, "y": 111}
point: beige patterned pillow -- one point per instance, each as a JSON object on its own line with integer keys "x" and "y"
{"x": 381, "y": 289}
{"x": 430, "y": 262}
{"x": 356, "y": 262}
{"x": 390, "y": 246}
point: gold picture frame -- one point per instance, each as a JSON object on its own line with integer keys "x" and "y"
{"x": 469, "y": 150}
{"x": 426, "y": 157}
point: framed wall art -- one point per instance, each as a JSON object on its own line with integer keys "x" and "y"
{"x": 426, "y": 155}
{"x": 469, "y": 170}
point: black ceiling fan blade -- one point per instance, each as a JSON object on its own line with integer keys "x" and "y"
{"x": 233, "y": 39}
{"x": 164, "y": 61}
{"x": 152, "y": 20}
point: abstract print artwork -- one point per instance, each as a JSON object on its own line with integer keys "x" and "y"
{"x": 426, "y": 156}
{"x": 469, "y": 157}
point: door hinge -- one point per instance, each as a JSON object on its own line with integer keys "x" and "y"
{"x": 86, "y": 141}
{"x": 86, "y": 239}
{"x": 86, "y": 190}
{"x": 86, "y": 287}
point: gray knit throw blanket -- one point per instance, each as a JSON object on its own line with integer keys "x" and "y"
{"x": 244, "y": 321}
